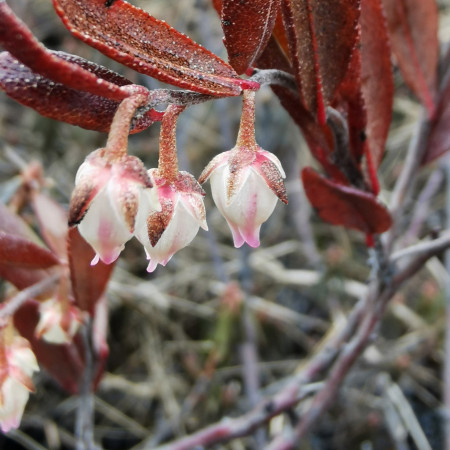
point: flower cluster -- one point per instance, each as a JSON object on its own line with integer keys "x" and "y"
{"x": 115, "y": 198}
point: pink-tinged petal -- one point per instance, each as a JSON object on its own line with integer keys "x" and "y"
{"x": 179, "y": 232}
{"x": 217, "y": 161}
{"x": 104, "y": 228}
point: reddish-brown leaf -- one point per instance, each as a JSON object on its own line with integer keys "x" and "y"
{"x": 321, "y": 36}
{"x": 88, "y": 282}
{"x": 19, "y": 252}
{"x": 439, "y": 140}
{"x": 376, "y": 77}
{"x": 245, "y": 42}
{"x": 17, "y": 39}
{"x": 412, "y": 26}
{"x": 345, "y": 205}
{"x": 59, "y": 102}
{"x": 65, "y": 363}
{"x": 21, "y": 277}
{"x": 134, "y": 38}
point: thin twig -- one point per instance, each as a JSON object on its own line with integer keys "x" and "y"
{"x": 84, "y": 426}
{"x": 14, "y": 303}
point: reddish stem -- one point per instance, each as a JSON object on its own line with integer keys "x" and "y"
{"x": 168, "y": 160}
{"x": 116, "y": 145}
{"x": 246, "y": 136}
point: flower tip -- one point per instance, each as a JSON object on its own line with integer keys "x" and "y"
{"x": 95, "y": 260}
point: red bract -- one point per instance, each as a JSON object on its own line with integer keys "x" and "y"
{"x": 245, "y": 42}
{"x": 413, "y": 28}
{"x": 134, "y": 38}
{"x": 321, "y": 35}
{"x": 345, "y": 205}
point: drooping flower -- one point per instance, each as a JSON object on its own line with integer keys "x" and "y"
{"x": 17, "y": 365}
{"x": 110, "y": 187}
{"x": 106, "y": 199}
{"x": 163, "y": 233}
{"x": 246, "y": 181}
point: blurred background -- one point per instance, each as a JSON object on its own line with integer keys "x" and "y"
{"x": 219, "y": 328}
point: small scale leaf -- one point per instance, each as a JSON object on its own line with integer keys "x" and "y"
{"x": 413, "y": 26}
{"x": 56, "y": 101}
{"x": 245, "y": 43}
{"x": 134, "y": 38}
{"x": 345, "y": 205}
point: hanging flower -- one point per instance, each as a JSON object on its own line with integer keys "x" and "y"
{"x": 163, "y": 233}
{"x": 182, "y": 213}
{"x": 246, "y": 181}
{"x": 110, "y": 187}
{"x": 17, "y": 364}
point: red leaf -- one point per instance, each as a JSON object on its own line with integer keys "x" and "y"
{"x": 345, "y": 205}
{"x": 413, "y": 28}
{"x": 16, "y": 38}
{"x": 19, "y": 252}
{"x": 134, "y": 38}
{"x": 321, "y": 35}
{"x": 376, "y": 76}
{"x": 88, "y": 282}
{"x": 439, "y": 140}
{"x": 245, "y": 43}
{"x": 59, "y": 102}
{"x": 13, "y": 225}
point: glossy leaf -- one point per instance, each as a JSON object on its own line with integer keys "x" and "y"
{"x": 88, "y": 282}
{"x": 413, "y": 28}
{"x": 321, "y": 36}
{"x": 439, "y": 140}
{"x": 344, "y": 205}
{"x": 17, "y": 39}
{"x": 134, "y": 38}
{"x": 56, "y": 101}
{"x": 245, "y": 43}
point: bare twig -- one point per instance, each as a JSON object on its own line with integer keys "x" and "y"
{"x": 84, "y": 426}
{"x": 13, "y": 304}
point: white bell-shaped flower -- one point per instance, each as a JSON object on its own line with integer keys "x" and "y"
{"x": 246, "y": 181}
{"x": 163, "y": 233}
{"x": 107, "y": 195}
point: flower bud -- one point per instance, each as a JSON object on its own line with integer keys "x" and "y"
{"x": 163, "y": 233}
{"x": 17, "y": 364}
{"x": 246, "y": 181}
{"x": 108, "y": 193}
{"x": 59, "y": 321}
